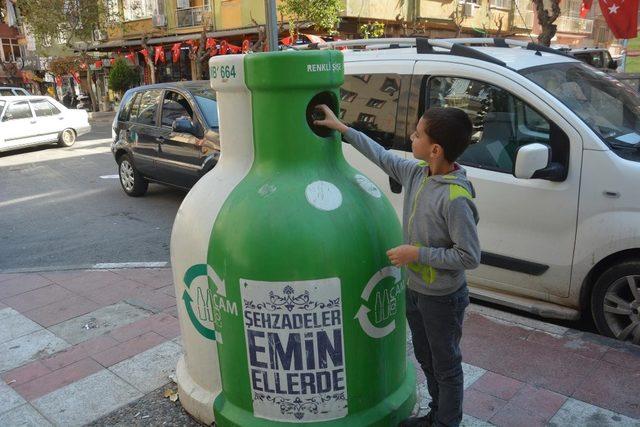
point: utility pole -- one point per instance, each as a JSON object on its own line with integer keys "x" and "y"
{"x": 272, "y": 24}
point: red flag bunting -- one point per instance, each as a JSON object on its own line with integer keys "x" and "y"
{"x": 246, "y": 45}
{"x": 224, "y": 47}
{"x": 175, "y": 52}
{"x": 211, "y": 46}
{"x": 585, "y": 8}
{"x": 233, "y": 48}
{"x": 76, "y": 76}
{"x": 131, "y": 57}
{"x": 59, "y": 80}
{"x": 621, "y": 17}
{"x": 144, "y": 53}
{"x": 98, "y": 64}
{"x": 193, "y": 44}
{"x": 159, "y": 54}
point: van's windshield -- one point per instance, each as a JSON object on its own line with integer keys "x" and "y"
{"x": 609, "y": 107}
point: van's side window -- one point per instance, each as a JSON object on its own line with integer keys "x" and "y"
{"x": 501, "y": 122}
{"x": 370, "y": 104}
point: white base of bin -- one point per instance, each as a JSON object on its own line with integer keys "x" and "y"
{"x": 194, "y": 399}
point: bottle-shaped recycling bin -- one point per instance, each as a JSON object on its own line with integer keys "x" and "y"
{"x": 308, "y": 312}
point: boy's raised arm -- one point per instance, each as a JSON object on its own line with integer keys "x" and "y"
{"x": 394, "y": 166}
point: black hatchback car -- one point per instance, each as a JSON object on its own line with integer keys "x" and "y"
{"x": 166, "y": 133}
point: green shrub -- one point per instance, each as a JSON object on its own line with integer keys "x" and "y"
{"x": 122, "y": 76}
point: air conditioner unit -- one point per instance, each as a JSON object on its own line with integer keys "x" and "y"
{"x": 470, "y": 9}
{"x": 99, "y": 35}
{"x": 159, "y": 20}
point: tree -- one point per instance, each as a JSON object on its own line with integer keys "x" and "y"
{"x": 371, "y": 30}
{"x": 122, "y": 76}
{"x": 62, "y": 27}
{"x": 324, "y": 14}
{"x": 546, "y": 20}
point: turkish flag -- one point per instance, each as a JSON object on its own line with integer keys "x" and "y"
{"x": 130, "y": 56}
{"x": 621, "y": 17}
{"x": 159, "y": 50}
{"x": 224, "y": 47}
{"x": 585, "y": 8}
{"x": 76, "y": 76}
{"x": 145, "y": 53}
{"x": 175, "y": 52}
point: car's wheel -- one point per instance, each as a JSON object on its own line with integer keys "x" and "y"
{"x": 615, "y": 302}
{"x": 67, "y": 138}
{"x": 133, "y": 183}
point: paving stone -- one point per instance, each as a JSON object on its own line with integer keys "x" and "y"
{"x": 481, "y": 405}
{"x": 38, "y": 297}
{"x": 511, "y": 415}
{"x": 58, "y": 379}
{"x": 25, "y": 373}
{"x": 23, "y": 416}
{"x": 90, "y": 282}
{"x": 575, "y": 344}
{"x": 471, "y": 374}
{"x": 79, "y": 352}
{"x": 15, "y": 325}
{"x": 613, "y": 387}
{"x": 623, "y": 357}
{"x": 150, "y": 369}
{"x": 28, "y": 348}
{"x": 469, "y": 421}
{"x": 577, "y": 413}
{"x": 153, "y": 278}
{"x": 115, "y": 292}
{"x": 21, "y": 283}
{"x": 498, "y": 385}
{"x": 128, "y": 349}
{"x": 541, "y": 402}
{"x": 9, "y": 399}
{"x": 152, "y": 300}
{"x": 63, "y": 276}
{"x": 60, "y": 311}
{"x": 86, "y": 400}
{"x": 157, "y": 323}
{"x": 98, "y": 322}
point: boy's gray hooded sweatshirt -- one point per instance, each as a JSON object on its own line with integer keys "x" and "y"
{"x": 439, "y": 216}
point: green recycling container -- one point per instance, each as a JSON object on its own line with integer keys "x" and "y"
{"x": 309, "y": 313}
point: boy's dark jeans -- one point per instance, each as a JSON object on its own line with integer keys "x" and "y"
{"x": 436, "y": 329}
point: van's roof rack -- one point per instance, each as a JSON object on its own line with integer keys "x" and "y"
{"x": 458, "y": 47}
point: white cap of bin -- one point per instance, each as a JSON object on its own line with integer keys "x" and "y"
{"x": 198, "y": 371}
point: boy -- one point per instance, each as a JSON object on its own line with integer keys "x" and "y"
{"x": 439, "y": 225}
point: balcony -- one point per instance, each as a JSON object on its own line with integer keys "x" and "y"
{"x": 500, "y": 4}
{"x": 525, "y": 21}
{"x": 191, "y": 16}
{"x": 571, "y": 24}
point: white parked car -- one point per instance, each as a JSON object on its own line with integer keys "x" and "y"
{"x": 34, "y": 120}
{"x": 13, "y": 91}
{"x": 555, "y": 162}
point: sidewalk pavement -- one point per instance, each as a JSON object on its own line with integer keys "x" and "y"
{"x": 99, "y": 346}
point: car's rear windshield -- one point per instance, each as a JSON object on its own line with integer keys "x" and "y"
{"x": 206, "y": 99}
{"x": 6, "y": 92}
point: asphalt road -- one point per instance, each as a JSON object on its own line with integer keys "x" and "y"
{"x": 64, "y": 207}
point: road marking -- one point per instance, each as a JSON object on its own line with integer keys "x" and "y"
{"x": 130, "y": 264}
{"x": 109, "y": 176}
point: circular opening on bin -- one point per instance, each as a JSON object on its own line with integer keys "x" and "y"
{"x": 328, "y": 98}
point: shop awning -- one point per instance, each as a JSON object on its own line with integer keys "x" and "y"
{"x": 179, "y": 38}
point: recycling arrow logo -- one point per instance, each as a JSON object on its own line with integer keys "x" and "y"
{"x": 363, "y": 313}
{"x": 195, "y": 271}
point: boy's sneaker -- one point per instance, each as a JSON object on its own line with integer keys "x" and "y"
{"x": 425, "y": 421}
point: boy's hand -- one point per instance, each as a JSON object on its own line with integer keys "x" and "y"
{"x": 330, "y": 120}
{"x": 403, "y": 255}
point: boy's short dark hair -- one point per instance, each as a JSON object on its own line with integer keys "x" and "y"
{"x": 450, "y": 128}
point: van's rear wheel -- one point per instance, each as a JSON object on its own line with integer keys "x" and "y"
{"x": 615, "y": 302}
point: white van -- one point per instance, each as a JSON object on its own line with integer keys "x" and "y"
{"x": 555, "y": 162}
